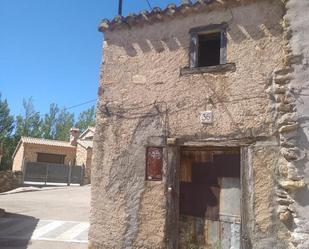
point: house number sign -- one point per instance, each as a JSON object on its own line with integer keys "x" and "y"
{"x": 206, "y": 117}
{"x": 154, "y": 163}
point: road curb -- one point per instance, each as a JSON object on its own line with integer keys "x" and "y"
{"x": 35, "y": 189}
{"x": 32, "y": 189}
{"x": 16, "y": 191}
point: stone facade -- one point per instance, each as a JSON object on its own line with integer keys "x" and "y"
{"x": 84, "y": 152}
{"x": 84, "y": 157}
{"x": 146, "y": 101}
{"x": 297, "y": 28}
{"x": 32, "y": 150}
{"x": 18, "y": 158}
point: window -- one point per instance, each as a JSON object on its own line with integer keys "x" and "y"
{"x": 154, "y": 163}
{"x": 208, "y": 46}
{"x": 209, "y": 49}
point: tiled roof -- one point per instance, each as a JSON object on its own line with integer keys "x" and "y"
{"x": 41, "y": 141}
{"x": 157, "y": 14}
{"x": 90, "y": 130}
{"x": 85, "y": 143}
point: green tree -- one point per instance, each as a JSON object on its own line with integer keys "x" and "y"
{"x": 6, "y": 120}
{"x": 55, "y": 124}
{"x": 49, "y": 123}
{"x": 28, "y": 124}
{"x": 86, "y": 118}
{"x": 7, "y": 142}
{"x": 65, "y": 122}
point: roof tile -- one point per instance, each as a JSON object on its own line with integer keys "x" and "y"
{"x": 155, "y": 15}
{"x": 85, "y": 143}
{"x": 41, "y": 141}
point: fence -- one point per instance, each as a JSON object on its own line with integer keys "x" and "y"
{"x": 53, "y": 173}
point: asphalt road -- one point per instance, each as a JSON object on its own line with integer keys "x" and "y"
{"x": 49, "y": 218}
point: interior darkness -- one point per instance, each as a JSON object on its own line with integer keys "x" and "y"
{"x": 201, "y": 196}
{"x": 209, "y": 49}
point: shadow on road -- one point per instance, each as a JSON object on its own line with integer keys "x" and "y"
{"x": 16, "y": 230}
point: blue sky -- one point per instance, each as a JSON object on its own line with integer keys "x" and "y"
{"x": 50, "y": 50}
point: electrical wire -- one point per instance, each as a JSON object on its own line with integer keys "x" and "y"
{"x": 149, "y": 4}
{"x": 81, "y": 104}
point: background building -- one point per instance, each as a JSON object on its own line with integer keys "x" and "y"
{"x": 76, "y": 152}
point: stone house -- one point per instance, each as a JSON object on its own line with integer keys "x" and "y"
{"x": 201, "y": 132}
{"x": 76, "y": 152}
{"x": 84, "y": 151}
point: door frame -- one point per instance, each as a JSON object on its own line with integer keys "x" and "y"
{"x": 173, "y": 189}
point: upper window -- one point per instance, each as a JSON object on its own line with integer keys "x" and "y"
{"x": 208, "y": 46}
{"x": 209, "y": 49}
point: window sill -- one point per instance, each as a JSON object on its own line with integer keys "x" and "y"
{"x": 211, "y": 69}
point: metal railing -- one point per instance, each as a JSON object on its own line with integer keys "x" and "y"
{"x": 53, "y": 173}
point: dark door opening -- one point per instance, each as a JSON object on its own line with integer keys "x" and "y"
{"x": 209, "y": 202}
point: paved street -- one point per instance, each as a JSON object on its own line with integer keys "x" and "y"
{"x": 52, "y": 218}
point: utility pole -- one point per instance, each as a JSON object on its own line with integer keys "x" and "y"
{"x": 120, "y": 8}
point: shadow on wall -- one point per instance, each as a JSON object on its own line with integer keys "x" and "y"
{"x": 158, "y": 38}
{"x": 302, "y": 196}
{"x": 148, "y": 44}
{"x": 16, "y": 230}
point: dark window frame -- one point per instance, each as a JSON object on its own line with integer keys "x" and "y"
{"x": 194, "y": 43}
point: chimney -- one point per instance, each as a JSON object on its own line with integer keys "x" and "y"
{"x": 74, "y": 134}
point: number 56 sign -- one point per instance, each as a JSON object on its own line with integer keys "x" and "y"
{"x": 206, "y": 117}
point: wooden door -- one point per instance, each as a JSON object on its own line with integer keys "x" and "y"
{"x": 209, "y": 198}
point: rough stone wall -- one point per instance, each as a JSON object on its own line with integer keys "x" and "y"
{"x": 88, "y": 166}
{"x": 18, "y": 159}
{"x": 31, "y": 152}
{"x": 144, "y": 100}
{"x": 297, "y": 30}
{"x": 10, "y": 180}
{"x": 84, "y": 157}
{"x": 81, "y": 155}
{"x": 264, "y": 162}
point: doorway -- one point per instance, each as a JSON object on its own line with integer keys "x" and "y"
{"x": 209, "y": 198}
